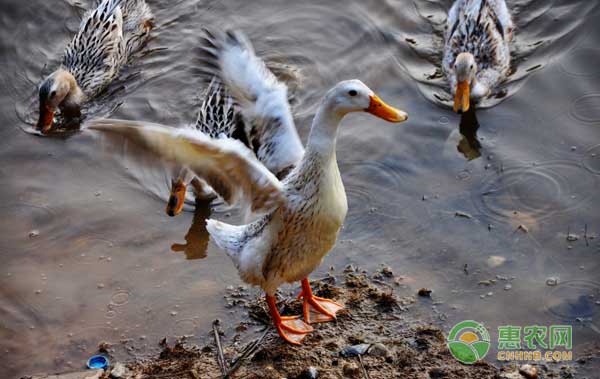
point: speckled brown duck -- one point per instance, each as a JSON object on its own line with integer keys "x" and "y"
{"x": 477, "y": 49}
{"x": 107, "y": 36}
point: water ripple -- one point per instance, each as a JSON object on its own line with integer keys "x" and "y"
{"x": 587, "y": 108}
{"x": 573, "y": 299}
{"x": 538, "y": 191}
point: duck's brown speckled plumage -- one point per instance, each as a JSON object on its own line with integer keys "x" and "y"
{"x": 108, "y": 35}
{"x": 311, "y": 227}
{"x": 484, "y": 29}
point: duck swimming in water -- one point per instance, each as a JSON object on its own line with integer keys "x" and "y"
{"x": 216, "y": 118}
{"x": 300, "y": 216}
{"x": 476, "y": 53}
{"x": 107, "y": 36}
{"x": 246, "y": 118}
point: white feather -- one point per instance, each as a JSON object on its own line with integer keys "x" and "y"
{"x": 228, "y": 166}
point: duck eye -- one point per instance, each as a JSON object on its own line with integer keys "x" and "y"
{"x": 471, "y": 67}
{"x": 352, "y": 92}
{"x": 52, "y": 94}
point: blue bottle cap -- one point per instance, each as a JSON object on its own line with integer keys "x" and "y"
{"x": 97, "y": 362}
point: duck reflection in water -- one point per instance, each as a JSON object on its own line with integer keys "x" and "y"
{"x": 196, "y": 239}
{"x": 468, "y": 145}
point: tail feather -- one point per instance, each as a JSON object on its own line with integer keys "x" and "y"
{"x": 228, "y": 237}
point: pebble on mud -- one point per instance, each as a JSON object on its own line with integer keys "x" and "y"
{"x": 528, "y": 371}
{"x": 552, "y": 281}
{"x": 34, "y": 233}
{"x": 387, "y": 271}
{"x": 378, "y": 350}
{"x": 425, "y": 292}
{"x": 309, "y": 373}
{"x": 351, "y": 370}
{"x": 354, "y": 350}
{"x": 119, "y": 371}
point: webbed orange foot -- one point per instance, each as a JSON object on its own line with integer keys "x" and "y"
{"x": 317, "y": 309}
{"x": 291, "y": 328}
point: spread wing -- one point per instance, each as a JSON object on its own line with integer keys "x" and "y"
{"x": 227, "y": 165}
{"x": 95, "y": 54}
{"x": 263, "y": 100}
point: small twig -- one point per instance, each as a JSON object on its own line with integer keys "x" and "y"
{"x": 220, "y": 356}
{"x": 248, "y": 351}
{"x": 364, "y": 370}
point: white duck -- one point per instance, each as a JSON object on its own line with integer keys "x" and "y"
{"x": 301, "y": 215}
{"x": 476, "y": 52}
{"x": 107, "y": 36}
{"x": 248, "y": 118}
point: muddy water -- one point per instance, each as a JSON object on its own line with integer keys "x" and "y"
{"x": 88, "y": 254}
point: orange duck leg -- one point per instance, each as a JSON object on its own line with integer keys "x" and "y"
{"x": 317, "y": 309}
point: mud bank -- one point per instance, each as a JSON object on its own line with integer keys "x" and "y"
{"x": 381, "y": 334}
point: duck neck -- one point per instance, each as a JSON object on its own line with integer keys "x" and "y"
{"x": 323, "y": 134}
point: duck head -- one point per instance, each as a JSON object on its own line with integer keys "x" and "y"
{"x": 354, "y": 96}
{"x": 465, "y": 69}
{"x": 59, "y": 89}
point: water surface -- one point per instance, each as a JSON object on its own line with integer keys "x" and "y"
{"x": 88, "y": 254}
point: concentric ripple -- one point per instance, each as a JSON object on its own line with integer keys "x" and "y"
{"x": 586, "y": 108}
{"x": 573, "y": 299}
{"x": 30, "y": 225}
{"x": 538, "y": 191}
{"x": 577, "y": 62}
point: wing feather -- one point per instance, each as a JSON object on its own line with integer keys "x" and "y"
{"x": 227, "y": 165}
{"x": 263, "y": 99}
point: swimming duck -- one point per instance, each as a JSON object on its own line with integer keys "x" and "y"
{"x": 107, "y": 36}
{"x": 247, "y": 118}
{"x": 299, "y": 216}
{"x": 216, "y": 118}
{"x": 476, "y": 53}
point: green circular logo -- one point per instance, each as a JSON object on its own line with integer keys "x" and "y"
{"x": 469, "y": 342}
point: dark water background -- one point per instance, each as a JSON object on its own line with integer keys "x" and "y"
{"x": 86, "y": 249}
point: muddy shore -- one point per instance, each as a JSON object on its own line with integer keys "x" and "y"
{"x": 382, "y": 333}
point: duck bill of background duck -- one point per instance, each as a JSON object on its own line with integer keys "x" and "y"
{"x": 46, "y": 119}
{"x": 176, "y": 198}
{"x": 461, "y": 97}
{"x": 380, "y": 109}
